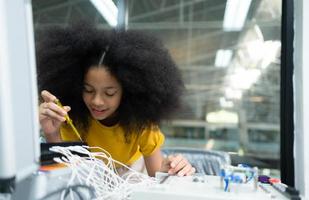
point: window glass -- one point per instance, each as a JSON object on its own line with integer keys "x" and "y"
{"x": 229, "y": 55}
{"x": 231, "y": 70}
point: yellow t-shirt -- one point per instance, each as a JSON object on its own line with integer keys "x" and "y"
{"x": 112, "y": 140}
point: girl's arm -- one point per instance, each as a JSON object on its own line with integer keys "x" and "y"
{"x": 173, "y": 164}
{"x": 153, "y": 162}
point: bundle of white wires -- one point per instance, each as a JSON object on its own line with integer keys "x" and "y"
{"x": 96, "y": 168}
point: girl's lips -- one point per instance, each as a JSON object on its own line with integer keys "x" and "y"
{"x": 98, "y": 112}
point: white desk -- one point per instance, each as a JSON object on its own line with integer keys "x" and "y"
{"x": 205, "y": 187}
{"x": 180, "y": 188}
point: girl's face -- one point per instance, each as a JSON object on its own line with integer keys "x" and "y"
{"x": 102, "y": 93}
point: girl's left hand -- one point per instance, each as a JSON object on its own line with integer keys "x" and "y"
{"x": 177, "y": 165}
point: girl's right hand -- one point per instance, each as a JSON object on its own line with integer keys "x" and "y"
{"x": 51, "y": 116}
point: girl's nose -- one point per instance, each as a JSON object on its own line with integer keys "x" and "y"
{"x": 98, "y": 100}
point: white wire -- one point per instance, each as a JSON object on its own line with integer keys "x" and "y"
{"x": 98, "y": 170}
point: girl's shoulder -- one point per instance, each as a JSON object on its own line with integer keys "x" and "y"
{"x": 151, "y": 133}
{"x": 150, "y": 140}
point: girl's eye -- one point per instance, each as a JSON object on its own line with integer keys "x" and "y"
{"x": 88, "y": 90}
{"x": 110, "y": 93}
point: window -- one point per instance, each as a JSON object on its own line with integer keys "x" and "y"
{"x": 230, "y": 65}
{"x": 231, "y": 70}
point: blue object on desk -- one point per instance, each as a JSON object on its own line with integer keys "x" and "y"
{"x": 263, "y": 179}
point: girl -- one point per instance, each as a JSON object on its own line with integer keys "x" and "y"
{"x": 117, "y": 85}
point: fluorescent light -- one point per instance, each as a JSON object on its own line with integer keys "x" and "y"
{"x": 222, "y": 116}
{"x": 235, "y": 14}
{"x": 271, "y": 47}
{"x": 108, "y": 10}
{"x": 263, "y": 52}
{"x": 244, "y": 78}
{"x": 223, "y": 58}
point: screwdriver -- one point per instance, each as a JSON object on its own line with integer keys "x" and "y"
{"x": 69, "y": 121}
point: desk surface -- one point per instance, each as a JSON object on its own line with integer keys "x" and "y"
{"x": 205, "y": 187}
{"x": 199, "y": 187}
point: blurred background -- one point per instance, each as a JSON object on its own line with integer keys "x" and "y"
{"x": 229, "y": 55}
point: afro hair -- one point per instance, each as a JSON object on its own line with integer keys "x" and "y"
{"x": 151, "y": 82}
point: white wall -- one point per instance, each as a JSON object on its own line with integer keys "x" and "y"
{"x": 301, "y": 96}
